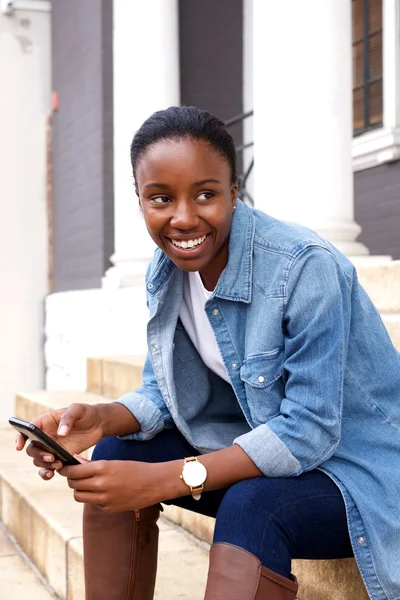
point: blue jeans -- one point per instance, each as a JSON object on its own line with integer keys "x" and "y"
{"x": 277, "y": 519}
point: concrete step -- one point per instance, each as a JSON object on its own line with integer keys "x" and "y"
{"x": 114, "y": 376}
{"x": 382, "y": 284}
{"x": 330, "y": 580}
{"x": 47, "y": 524}
{"x": 18, "y": 579}
{"x": 392, "y": 324}
{"x": 31, "y": 405}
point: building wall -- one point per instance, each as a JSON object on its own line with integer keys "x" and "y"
{"x": 211, "y": 57}
{"x": 377, "y": 208}
{"x": 82, "y": 182}
{"x": 24, "y": 107}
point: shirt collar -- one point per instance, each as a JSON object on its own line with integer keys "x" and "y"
{"x": 235, "y": 282}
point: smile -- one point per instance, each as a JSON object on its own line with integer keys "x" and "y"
{"x": 188, "y": 244}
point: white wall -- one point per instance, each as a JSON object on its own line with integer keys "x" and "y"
{"x": 85, "y": 323}
{"x": 24, "y": 105}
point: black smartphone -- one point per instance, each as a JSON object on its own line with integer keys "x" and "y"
{"x": 38, "y": 438}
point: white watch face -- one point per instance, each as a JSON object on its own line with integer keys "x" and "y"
{"x": 194, "y": 473}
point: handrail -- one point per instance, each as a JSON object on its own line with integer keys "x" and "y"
{"x": 239, "y": 118}
{"x": 243, "y": 192}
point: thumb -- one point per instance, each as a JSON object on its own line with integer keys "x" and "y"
{"x": 72, "y": 414}
{"x": 81, "y": 459}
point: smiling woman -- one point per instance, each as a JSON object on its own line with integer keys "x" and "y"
{"x": 269, "y": 378}
{"x": 184, "y": 164}
{"x": 192, "y": 218}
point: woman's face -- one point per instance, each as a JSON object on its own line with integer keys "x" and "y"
{"x": 187, "y": 198}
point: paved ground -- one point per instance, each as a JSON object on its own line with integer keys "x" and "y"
{"x": 18, "y": 581}
{"x": 179, "y": 556}
{"x": 182, "y": 565}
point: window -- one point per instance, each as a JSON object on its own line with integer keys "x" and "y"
{"x": 367, "y": 65}
{"x": 376, "y": 96}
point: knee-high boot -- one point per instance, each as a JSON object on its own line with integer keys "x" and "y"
{"x": 120, "y": 553}
{"x": 235, "y": 574}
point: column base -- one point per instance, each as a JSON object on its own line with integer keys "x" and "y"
{"x": 126, "y": 272}
{"x": 343, "y": 234}
{"x": 373, "y": 260}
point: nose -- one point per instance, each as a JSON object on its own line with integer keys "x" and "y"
{"x": 184, "y": 216}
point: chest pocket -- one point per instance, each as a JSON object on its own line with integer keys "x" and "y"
{"x": 264, "y": 385}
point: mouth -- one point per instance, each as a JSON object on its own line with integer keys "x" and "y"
{"x": 192, "y": 246}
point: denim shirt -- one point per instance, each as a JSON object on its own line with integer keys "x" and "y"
{"x": 315, "y": 378}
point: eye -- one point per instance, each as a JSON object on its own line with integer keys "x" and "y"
{"x": 205, "y": 196}
{"x": 160, "y": 199}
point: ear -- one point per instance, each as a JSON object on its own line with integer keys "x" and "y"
{"x": 234, "y": 192}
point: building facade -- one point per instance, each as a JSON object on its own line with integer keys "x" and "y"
{"x": 320, "y": 158}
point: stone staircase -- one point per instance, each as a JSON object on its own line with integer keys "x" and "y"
{"x": 45, "y": 522}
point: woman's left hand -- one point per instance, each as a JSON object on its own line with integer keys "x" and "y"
{"x": 114, "y": 485}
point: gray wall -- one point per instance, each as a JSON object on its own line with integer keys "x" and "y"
{"x": 211, "y": 57}
{"x": 82, "y": 182}
{"x": 377, "y": 208}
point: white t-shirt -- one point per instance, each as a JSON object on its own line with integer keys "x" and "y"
{"x": 195, "y": 321}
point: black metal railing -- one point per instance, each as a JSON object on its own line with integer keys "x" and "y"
{"x": 243, "y": 176}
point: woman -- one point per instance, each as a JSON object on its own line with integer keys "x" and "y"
{"x": 269, "y": 363}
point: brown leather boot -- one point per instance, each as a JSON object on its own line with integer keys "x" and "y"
{"x": 235, "y": 574}
{"x": 120, "y": 553}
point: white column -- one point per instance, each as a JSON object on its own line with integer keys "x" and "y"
{"x": 146, "y": 79}
{"x": 25, "y": 67}
{"x": 303, "y": 116}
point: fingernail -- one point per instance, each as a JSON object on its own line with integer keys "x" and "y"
{"x": 63, "y": 430}
{"x": 48, "y": 474}
{"x": 48, "y": 458}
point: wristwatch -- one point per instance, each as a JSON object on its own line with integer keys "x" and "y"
{"x": 194, "y": 475}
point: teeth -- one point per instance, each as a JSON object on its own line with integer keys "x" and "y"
{"x": 189, "y": 243}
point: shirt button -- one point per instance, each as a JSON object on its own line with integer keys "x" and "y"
{"x": 260, "y": 379}
{"x": 361, "y": 540}
{"x": 149, "y": 286}
{"x": 215, "y": 312}
{"x": 234, "y": 366}
{"x": 154, "y": 348}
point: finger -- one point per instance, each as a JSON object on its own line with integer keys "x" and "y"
{"x": 72, "y": 414}
{"x": 46, "y": 474}
{"x": 90, "y": 497}
{"x": 39, "y": 454}
{"x": 82, "y": 471}
{"x": 45, "y": 465}
{"x": 82, "y": 459}
{"x": 20, "y": 441}
{"x": 89, "y": 484}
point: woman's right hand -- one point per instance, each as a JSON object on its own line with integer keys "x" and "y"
{"x": 76, "y": 428}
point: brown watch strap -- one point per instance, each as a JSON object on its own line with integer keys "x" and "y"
{"x": 198, "y": 489}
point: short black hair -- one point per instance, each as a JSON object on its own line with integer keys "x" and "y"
{"x": 178, "y": 122}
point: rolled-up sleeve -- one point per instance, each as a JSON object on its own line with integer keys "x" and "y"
{"x": 316, "y": 326}
{"x": 147, "y": 406}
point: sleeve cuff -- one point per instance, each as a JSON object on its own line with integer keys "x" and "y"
{"x": 268, "y": 452}
{"x": 147, "y": 414}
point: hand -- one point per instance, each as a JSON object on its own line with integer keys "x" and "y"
{"x": 115, "y": 485}
{"x": 76, "y": 428}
